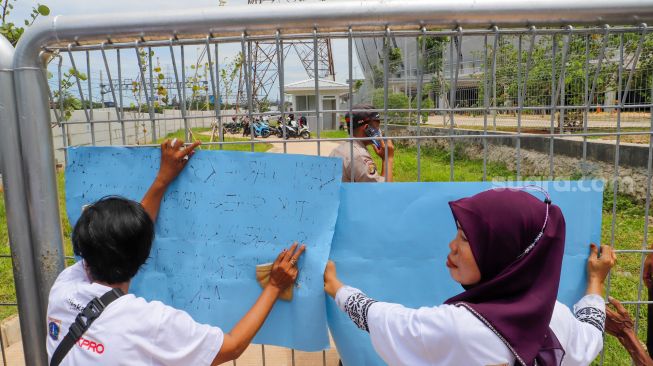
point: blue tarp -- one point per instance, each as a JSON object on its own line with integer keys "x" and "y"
{"x": 229, "y": 211}
{"x": 226, "y": 213}
{"x": 392, "y": 241}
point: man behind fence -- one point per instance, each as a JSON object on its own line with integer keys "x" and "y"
{"x": 92, "y": 320}
{"x": 365, "y": 124}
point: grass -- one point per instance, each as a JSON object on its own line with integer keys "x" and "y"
{"x": 332, "y": 134}
{"x": 199, "y": 133}
{"x": 629, "y": 219}
{"x": 7, "y": 289}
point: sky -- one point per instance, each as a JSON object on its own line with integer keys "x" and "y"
{"x": 294, "y": 71}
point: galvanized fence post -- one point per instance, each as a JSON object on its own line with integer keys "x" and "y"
{"x": 32, "y": 315}
{"x": 38, "y": 165}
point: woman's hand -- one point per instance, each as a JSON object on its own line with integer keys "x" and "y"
{"x": 284, "y": 269}
{"x": 598, "y": 267}
{"x": 284, "y": 273}
{"x": 331, "y": 282}
{"x": 173, "y": 159}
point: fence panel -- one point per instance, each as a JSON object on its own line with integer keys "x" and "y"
{"x": 484, "y": 90}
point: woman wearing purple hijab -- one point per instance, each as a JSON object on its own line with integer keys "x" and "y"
{"x": 507, "y": 254}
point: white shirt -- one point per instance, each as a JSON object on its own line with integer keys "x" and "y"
{"x": 130, "y": 331}
{"x": 452, "y": 335}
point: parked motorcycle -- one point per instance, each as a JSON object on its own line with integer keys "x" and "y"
{"x": 261, "y": 129}
{"x": 295, "y": 131}
{"x": 232, "y": 127}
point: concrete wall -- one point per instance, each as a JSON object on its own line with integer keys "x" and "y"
{"x": 632, "y": 155}
{"x": 136, "y": 133}
{"x": 631, "y": 177}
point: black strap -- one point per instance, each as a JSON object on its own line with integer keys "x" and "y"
{"x": 82, "y": 322}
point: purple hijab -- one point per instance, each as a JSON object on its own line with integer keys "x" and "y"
{"x": 516, "y": 295}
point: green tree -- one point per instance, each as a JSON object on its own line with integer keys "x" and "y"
{"x": 394, "y": 60}
{"x": 264, "y": 105}
{"x": 538, "y": 87}
{"x": 64, "y": 100}
{"x": 378, "y": 79}
{"x": 9, "y": 29}
{"x": 228, "y": 75}
{"x": 640, "y": 88}
{"x": 395, "y": 101}
{"x": 432, "y": 59}
{"x": 357, "y": 85}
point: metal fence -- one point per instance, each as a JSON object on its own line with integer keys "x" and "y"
{"x": 552, "y": 70}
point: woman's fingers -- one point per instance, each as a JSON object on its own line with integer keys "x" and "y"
{"x": 280, "y": 256}
{"x": 298, "y": 253}
{"x": 617, "y": 305}
{"x": 289, "y": 253}
{"x": 190, "y": 148}
{"x": 594, "y": 251}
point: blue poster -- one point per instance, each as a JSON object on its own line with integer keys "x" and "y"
{"x": 391, "y": 241}
{"x": 225, "y": 213}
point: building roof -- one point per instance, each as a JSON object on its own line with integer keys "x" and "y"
{"x": 307, "y": 87}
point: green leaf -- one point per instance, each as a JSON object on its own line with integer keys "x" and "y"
{"x": 161, "y": 76}
{"x": 26, "y": 22}
{"x": 43, "y": 10}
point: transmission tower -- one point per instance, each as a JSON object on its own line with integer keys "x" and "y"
{"x": 264, "y": 58}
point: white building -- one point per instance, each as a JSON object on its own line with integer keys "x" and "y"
{"x": 303, "y": 101}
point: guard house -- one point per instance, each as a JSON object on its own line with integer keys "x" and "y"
{"x": 303, "y": 101}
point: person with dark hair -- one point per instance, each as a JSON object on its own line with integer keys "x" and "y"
{"x": 356, "y": 160}
{"x": 507, "y": 255}
{"x": 94, "y": 320}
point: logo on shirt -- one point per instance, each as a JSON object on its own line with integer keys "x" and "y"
{"x": 54, "y": 328}
{"x": 371, "y": 168}
{"x": 74, "y": 305}
{"x": 89, "y": 345}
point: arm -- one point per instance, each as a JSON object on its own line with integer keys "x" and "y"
{"x": 389, "y": 159}
{"x": 398, "y": 334}
{"x": 173, "y": 162}
{"x": 598, "y": 267}
{"x": 620, "y": 325}
{"x": 583, "y": 327}
{"x": 284, "y": 273}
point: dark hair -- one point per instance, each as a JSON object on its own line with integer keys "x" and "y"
{"x": 114, "y": 236}
{"x": 362, "y": 117}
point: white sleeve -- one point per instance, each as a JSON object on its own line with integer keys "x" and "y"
{"x": 580, "y": 333}
{"x": 399, "y": 334}
{"x": 180, "y": 340}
